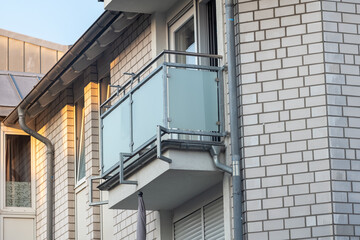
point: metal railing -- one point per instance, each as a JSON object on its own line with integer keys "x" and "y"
{"x": 158, "y": 94}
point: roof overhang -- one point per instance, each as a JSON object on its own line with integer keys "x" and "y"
{"x": 108, "y": 27}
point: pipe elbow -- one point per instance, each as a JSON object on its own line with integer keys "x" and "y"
{"x": 47, "y": 142}
{"x": 215, "y": 151}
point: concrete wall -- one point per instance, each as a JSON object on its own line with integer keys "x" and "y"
{"x": 22, "y": 53}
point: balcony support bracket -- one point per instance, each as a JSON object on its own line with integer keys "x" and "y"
{"x": 121, "y": 170}
{"x": 159, "y": 155}
{"x": 91, "y": 202}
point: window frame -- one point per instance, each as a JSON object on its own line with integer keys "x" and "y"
{"x": 79, "y": 182}
{"x": 180, "y": 20}
{"x": 197, "y": 9}
{"x": 3, "y": 208}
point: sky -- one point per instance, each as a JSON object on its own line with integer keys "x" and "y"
{"x": 59, "y": 21}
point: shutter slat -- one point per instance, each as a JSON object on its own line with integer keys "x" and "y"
{"x": 214, "y": 220}
{"x": 189, "y": 228}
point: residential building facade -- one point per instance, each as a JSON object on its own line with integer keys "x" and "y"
{"x": 122, "y": 121}
{"x": 23, "y": 62}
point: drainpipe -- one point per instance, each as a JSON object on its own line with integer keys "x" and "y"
{"x": 49, "y": 170}
{"x": 215, "y": 152}
{"x": 234, "y": 128}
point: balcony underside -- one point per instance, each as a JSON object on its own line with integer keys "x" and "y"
{"x": 139, "y": 6}
{"x": 166, "y": 185}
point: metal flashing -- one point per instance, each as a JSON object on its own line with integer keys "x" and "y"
{"x": 14, "y": 86}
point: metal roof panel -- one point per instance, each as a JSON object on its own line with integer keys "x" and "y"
{"x": 9, "y": 96}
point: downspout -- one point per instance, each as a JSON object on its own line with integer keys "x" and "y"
{"x": 49, "y": 170}
{"x": 215, "y": 152}
{"x": 234, "y": 126}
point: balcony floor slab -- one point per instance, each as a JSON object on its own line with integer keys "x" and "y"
{"x": 167, "y": 185}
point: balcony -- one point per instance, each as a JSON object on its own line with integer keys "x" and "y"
{"x": 164, "y": 132}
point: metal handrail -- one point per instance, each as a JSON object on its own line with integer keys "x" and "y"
{"x": 175, "y": 53}
{"x": 169, "y": 52}
{"x": 125, "y": 91}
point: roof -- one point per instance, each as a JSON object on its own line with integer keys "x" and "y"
{"x": 35, "y": 41}
{"x": 106, "y": 29}
{"x": 14, "y": 87}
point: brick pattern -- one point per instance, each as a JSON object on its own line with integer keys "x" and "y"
{"x": 342, "y": 60}
{"x": 92, "y": 163}
{"x": 131, "y": 52}
{"x": 285, "y": 135}
{"x": 57, "y": 124}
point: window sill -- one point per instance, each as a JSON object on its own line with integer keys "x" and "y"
{"x": 80, "y": 185}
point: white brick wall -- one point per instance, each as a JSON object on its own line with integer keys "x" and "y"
{"x": 92, "y": 164}
{"x": 287, "y": 168}
{"x": 57, "y": 124}
{"x": 342, "y": 42}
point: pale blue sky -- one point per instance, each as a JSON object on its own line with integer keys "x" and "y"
{"x": 59, "y": 21}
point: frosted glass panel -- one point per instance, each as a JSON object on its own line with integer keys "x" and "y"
{"x": 116, "y": 134}
{"x": 148, "y": 109}
{"x": 193, "y": 99}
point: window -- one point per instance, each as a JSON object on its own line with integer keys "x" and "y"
{"x": 206, "y": 223}
{"x": 104, "y": 91}
{"x": 80, "y": 139}
{"x": 18, "y": 170}
{"x": 193, "y": 29}
{"x": 182, "y": 35}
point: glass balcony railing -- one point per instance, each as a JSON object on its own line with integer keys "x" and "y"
{"x": 173, "y": 96}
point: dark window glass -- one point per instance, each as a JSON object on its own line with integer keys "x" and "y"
{"x": 80, "y": 140}
{"x": 185, "y": 41}
{"x": 18, "y": 170}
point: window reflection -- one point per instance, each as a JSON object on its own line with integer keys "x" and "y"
{"x": 80, "y": 139}
{"x": 18, "y": 171}
{"x": 185, "y": 41}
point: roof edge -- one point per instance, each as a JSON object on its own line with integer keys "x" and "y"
{"x": 34, "y": 40}
{"x": 73, "y": 54}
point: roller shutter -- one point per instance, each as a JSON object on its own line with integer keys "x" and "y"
{"x": 206, "y": 223}
{"x": 214, "y": 220}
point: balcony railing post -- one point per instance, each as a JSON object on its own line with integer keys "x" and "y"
{"x": 165, "y": 96}
{"x": 131, "y": 123}
{"x": 221, "y": 103}
{"x": 131, "y": 116}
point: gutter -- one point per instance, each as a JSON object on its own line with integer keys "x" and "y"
{"x": 234, "y": 125}
{"x": 49, "y": 171}
{"x": 69, "y": 58}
